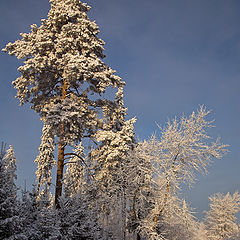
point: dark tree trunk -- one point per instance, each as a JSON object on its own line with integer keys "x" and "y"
{"x": 60, "y": 162}
{"x": 138, "y": 236}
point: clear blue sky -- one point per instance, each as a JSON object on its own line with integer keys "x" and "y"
{"x": 173, "y": 55}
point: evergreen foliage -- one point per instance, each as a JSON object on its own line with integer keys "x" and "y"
{"x": 64, "y": 79}
{"x": 78, "y": 219}
{"x": 9, "y": 219}
{"x": 221, "y": 220}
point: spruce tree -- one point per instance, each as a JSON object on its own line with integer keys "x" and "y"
{"x": 64, "y": 77}
{"x": 221, "y": 220}
{"x": 9, "y": 219}
{"x": 79, "y": 219}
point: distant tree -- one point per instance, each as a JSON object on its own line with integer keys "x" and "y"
{"x": 3, "y": 150}
{"x": 201, "y": 232}
{"x": 64, "y": 78}
{"x": 221, "y": 220}
{"x": 9, "y": 219}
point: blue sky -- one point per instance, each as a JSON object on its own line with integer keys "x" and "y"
{"x": 174, "y": 56}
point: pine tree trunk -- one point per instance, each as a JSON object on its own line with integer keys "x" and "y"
{"x": 124, "y": 213}
{"x": 60, "y": 162}
{"x": 138, "y": 236}
{"x": 59, "y": 178}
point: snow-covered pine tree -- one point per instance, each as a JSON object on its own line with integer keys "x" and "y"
{"x": 9, "y": 219}
{"x": 9, "y": 162}
{"x": 45, "y": 161}
{"x": 63, "y": 76}
{"x": 221, "y": 220}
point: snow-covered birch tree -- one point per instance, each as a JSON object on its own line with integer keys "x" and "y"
{"x": 63, "y": 76}
{"x": 183, "y": 149}
{"x": 139, "y": 173}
